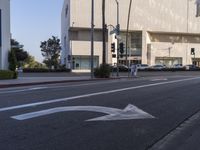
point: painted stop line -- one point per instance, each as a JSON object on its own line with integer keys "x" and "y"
{"x": 129, "y": 113}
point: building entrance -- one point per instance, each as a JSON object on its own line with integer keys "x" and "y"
{"x": 196, "y": 61}
{"x": 168, "y": 61}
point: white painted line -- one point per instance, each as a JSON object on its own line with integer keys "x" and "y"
{"x": 23, "y": 90}
{"x": 129, "y": 113}
{"x": 55, "y": 87}
{"x": 159, "y": 79}
{"x": 38, "y": 88}
{"x": 92, "y": 94}
{"x": 96, "y": 83}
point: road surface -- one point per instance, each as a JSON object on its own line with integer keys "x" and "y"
{"x": 160, "y": 112}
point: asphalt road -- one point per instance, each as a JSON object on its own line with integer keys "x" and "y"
{"x": 160, "y": 112}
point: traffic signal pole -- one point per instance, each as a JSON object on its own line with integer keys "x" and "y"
{"x": 127, "y": 31}
{"x": 118, "y": 30}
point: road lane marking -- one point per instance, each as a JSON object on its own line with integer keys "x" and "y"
{"x": 129, "y": 113}
{"x": 159, "y": 79}
{"x": 91, "y": 94}
{"x": 55, "y": 87}
{"x": 23, "y": 90}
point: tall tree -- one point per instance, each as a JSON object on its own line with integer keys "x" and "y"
{"x": 51, "y": 52}
{"x": 103, "y": 32}
{"x": 20, "y": 54}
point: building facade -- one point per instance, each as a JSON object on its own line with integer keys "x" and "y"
{"x": 160, "y": 32}
{"x": 4, "y": 33}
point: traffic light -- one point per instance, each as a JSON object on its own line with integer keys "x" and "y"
{"x": 113, "y": 47}
{"x": 192, "y": 51}
{"x": 121, "y": 47}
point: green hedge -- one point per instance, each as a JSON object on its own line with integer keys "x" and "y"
{"x": 32, "y": 70}
{"x": 5, "y": 74}
{"x": 103, "y": 71}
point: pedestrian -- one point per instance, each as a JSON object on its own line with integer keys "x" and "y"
{"x": 132, "y": 70}
{"x": 136, "y": 70}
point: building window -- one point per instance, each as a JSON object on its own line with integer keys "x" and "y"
{"x": 134, "y": 43}
{"x": 83, "y": 62}
{"x": 168, "y": 61}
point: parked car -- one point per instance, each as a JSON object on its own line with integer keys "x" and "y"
{"x": 158, "y": 67}
{"x": 177, "y": 66}
{"x": 142, "y": 66}
{"x": 122, "y": 68}
{"x": 191, "y": 67}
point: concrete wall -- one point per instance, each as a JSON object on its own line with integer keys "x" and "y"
{"x": 174, "y": 45}
{"x": 5, "y": 31}
{"x": 149, "y": 16}
{"x": 152, "y": 15}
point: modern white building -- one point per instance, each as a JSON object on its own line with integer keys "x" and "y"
{"x": 4, "y": 33}
{"x": 160, "y": 32}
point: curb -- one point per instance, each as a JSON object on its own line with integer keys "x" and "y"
{"x": 53, "y": 82}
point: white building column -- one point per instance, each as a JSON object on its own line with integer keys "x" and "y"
{"x": 5, "y": 33}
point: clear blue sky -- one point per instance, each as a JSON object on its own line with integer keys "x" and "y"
{"x": 33, "y": 21}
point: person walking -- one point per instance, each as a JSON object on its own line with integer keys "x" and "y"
{"x": 136, "y": 70}
{"x": 132, "y": 70}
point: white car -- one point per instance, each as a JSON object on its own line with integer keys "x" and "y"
{"x": 177, "y": 66}
{"x": 158, "y": 67}
{"x": 142, "y": 66}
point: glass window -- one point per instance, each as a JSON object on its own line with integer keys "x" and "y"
{"x": 84, "y": 62}
{"x": 134, "y": 43}
{"x": 168, "y": 61}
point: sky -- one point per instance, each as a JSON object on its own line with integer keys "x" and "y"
{"x": 33, "y": 21}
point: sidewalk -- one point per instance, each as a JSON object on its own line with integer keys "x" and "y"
{"x": 25, "y": 81}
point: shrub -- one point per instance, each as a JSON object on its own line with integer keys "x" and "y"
{"x": 5, "y": 74}
{"x": 103, "y": 71}
{"x": 15, "y": 75}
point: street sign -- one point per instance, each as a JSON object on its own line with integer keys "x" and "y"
{"x": 129, "y": 113}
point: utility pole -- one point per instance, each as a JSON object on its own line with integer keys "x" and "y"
{"x": 103, "y": 33}
{"x": 92, "y": 39}
{"x": 128, "y": 22}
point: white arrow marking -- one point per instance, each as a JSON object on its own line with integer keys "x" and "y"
{"x": 130, "y": 112}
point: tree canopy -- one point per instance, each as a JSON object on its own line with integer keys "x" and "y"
{"x": 21, "y": 58}
{"x": 20, "y": 54}
{"x": 51, "y": 52}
